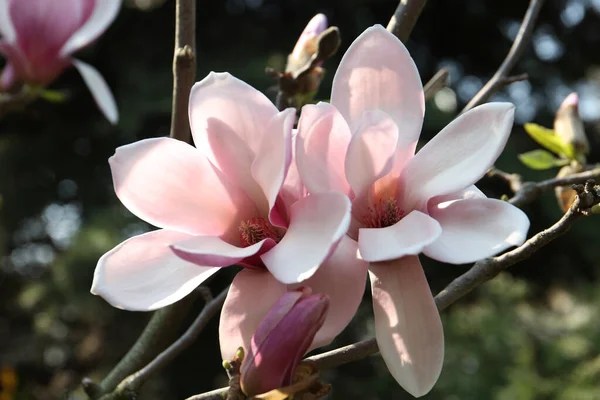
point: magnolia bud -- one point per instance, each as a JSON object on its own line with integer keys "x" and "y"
{"x": 307, "y": 43}
{"x": 281, "y": 340}
{"x": 569, "y": 126}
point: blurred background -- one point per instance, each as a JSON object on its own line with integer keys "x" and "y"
{"x": 532, "y": 333}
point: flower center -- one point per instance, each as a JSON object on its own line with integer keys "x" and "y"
{"x": 382, "y": 214}
{"x": 254, "y": 230}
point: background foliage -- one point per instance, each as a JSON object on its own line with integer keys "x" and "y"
{"x": 533, "y": 334}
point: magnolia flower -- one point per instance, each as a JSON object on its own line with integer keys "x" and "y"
{"x": 281, "y": 340}
{"x": 235, "y": 198}
{"x": 403, "y": 204}
{"x": 39, "y": 37}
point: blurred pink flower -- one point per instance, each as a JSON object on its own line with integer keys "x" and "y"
{"x": 281, "y": 340}
{"x": 235, "y": 198}
{"x": 363, "y": 144}
{"x": 39, "y": 36}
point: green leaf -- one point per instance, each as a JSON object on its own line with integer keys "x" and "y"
{"x": 53, "y": 96}
{"x": 548, "y": 139}
{"x": 541, "y": 159}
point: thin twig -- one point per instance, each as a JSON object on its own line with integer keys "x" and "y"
{"x": 530, "y": 191}
{"x": 159, "y": 332}
{"x": 133, "y": 382}
{"x": 405, "y": 17}
{"x": 436, "y": 83}
{"x": 217, "y": 394}
{"x": 501, "y": 77}
{"x": 184, "y": 67}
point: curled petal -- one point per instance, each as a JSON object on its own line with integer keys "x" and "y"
{"x": 407, "y": 324}
{"x": 473, "y": 229}
{"x": 213, "y": 251}
{"x": 273, "y": 160}
{"x": 238, "y": 321}
{"x": 317, "y": 223}
{"x": 153, "y": 175}
{"x": 100, "y": 90}
{"x": 142, "y": 274}
{"x": 378, "y": 73}
{"x": 371, "y": 151}
{"x": 104, "y": 13}
{"x": 321, "y": 144}
{"x": 459, "y": 155}
{"x": 409, "y": 236}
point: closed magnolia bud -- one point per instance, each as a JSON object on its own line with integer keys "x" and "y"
{"x": 569, "y": 126}
{"x": 307, "y": 43}
{"x": 281, "y": 340}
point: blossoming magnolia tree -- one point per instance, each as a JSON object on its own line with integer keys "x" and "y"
{"x": 312, "y": 201}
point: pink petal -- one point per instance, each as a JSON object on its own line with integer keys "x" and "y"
{"x": 273, "y": 160}
{"x": 317, "y": 223}
{"x": 171, "y": 185}
{"x": 42, "y": 28}
{"x": 239, "y": 321}
{"x": 15, "y": 69}
{"x": 459, "y": 155}
{"x": 371, "y": 151}
{"x": 215, "y": 252}
{"x": 293, "y": 188}
{"x": 100, "y": 90}
{"x": 377, "y": 73}
{"x": 407, "y": 237}
{"x": 7, "y": 29}
{"x": 104, "y": 13}
{"x": 229, "y": 120}
{"x": 476, "y": 228}
{"x": 142, "y": 274}
{"x": 342, "y": 277}
{"x": 281, "y": 340}
{"x": 407, "y": 324}
{"x": 321, "y": 144}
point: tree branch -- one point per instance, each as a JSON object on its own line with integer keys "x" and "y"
{"x": 159, "y": 332}
{"x": 405, "y": 17}
{"x": 527, "y": 192}
{"x": 130, "y": 385}
{"x": 436, "y": 83}
{"x": 481, "y": 272}
{"x": 501, "y": 77}
{"x": 184, "y": 67}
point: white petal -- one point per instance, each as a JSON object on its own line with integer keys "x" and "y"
{"x": 378, "y": 73}
{"x": 99, "y": 89}
{"x": 6, "y": 26}
{"x": 407, "y": 237}
{"x": 459, "y": 155}
{"x": 143, "y": 274}
{"x": 407, "y": 324}
{"x": 214, "y": 251}
{"x": 473, "y": 229}
{"x": 105, "y": 11}
{"x": 317, "y": 224}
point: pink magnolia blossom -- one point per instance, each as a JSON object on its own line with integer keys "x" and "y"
{"x": 363, "y": 144}
{"x": 235, "y": 198}
{"x": 281, "y": 340}
{"x": 39, "y": 37}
